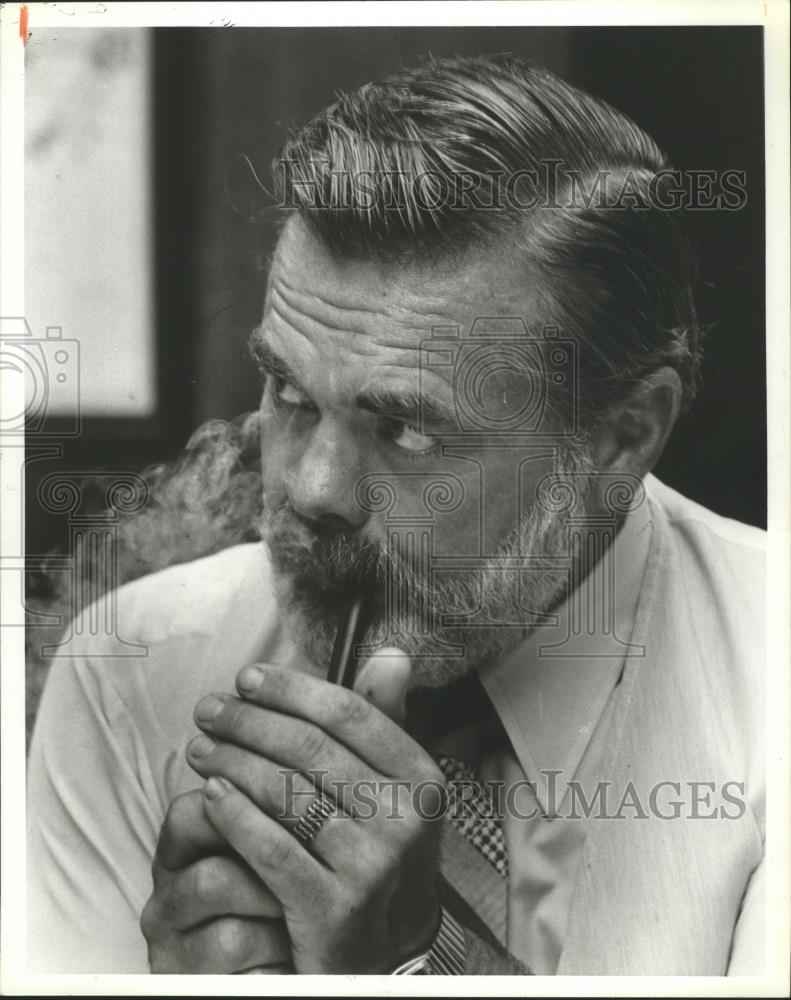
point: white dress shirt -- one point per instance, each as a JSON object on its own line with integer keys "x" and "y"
{"x": 108, "y": 756}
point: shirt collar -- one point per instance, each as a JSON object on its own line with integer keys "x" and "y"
{"x": 550, "y": 692}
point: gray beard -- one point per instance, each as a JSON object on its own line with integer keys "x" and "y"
{"x": 447, "y": 626}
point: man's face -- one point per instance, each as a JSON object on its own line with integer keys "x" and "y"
{"x": 359, "y": 493}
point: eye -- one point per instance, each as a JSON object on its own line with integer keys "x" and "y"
{"x": 285, "y": 392}
{"x": 410, "y": 439}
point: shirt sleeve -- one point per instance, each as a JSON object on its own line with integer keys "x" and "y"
{"x": 94, "y": 813}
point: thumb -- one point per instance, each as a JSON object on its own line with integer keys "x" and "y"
{"x": 383, "y": 680}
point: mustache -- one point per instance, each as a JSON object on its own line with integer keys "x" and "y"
{"x": 323, "y": 564}
{"x": 323, "y": 558}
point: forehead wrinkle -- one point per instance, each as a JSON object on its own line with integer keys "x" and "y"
{"x": 373, "y": 297}
{"x": 322, "y": 379}
{"x": 286, "y": 290}
{"x": 392, "y": 373}
{"x": 420, "y": 311}
{"x": 316, "y": 309}
{"x": 364, "y": 341}
{"x": 359, "y": 319}
{"x": 317, "y": 335}
{"x": 407, "y": 377}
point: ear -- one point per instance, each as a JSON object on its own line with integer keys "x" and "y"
{"x": 633, "y": 434}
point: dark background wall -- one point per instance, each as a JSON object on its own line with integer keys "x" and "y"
{"x": 224, "y": 100}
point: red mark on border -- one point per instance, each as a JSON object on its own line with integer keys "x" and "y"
{"x": 23, "y": 23}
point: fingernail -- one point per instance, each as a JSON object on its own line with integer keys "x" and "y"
{"x": 249, "y": 679}
{"x": 209, "y": 708}
{"x": 200, "y": 746}
{"x": 215, "y": 788}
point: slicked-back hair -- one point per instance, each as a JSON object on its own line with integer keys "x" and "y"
{"x": 494, "y": 153}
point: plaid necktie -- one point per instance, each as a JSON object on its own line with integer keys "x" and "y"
{"x": 433, "y": 714}
{"x": 474, "y": 811}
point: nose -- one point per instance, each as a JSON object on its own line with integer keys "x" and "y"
{"x": 322, "y": 481}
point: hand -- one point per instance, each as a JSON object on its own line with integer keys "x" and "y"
{"x": 209, "y": 912}
{"x": 361, "y": 895}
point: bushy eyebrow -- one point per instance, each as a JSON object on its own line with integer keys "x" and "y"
{"x": 404, "y": 405}
{"x": 395, "y": 404}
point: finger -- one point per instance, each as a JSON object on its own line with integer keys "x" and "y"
{"x": 226, "y": 945}
{"x": 286, "y": 796}
{"x": 383, "y": 680}
{"x": 187, "y": 834}
{"x": 211, "y": 888}
{"x": 284, "y": 793}
{"x": 345, "y": 715}
{"x": 287, "y": 742}
{"x": 296, "y": 877}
